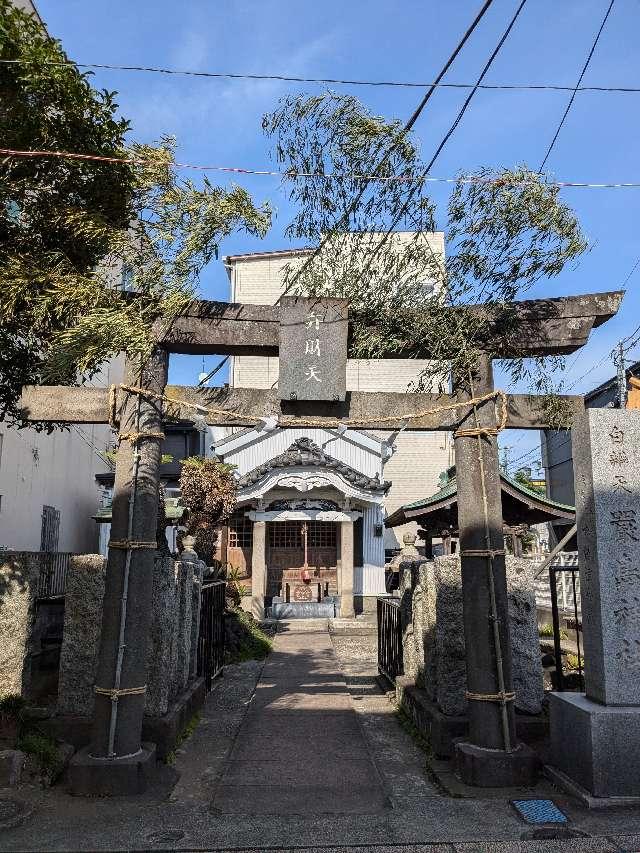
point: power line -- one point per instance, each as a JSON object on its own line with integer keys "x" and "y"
{"x": 320, "y": 176}
{"x": 539, "y": 87}
{"x": 486, "y": 68}
{"x": 447, "y": 66}
{"x": 425, "y": 175}
{"x": 572, "y": 98}
{"x": 351, "y": 207}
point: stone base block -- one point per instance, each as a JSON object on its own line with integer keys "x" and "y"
{"x": 165, "y": 731}
{"x": 442, "y": 730}
{"x": 494, "y": 768}
{"x": 325, "y": 609}
{"x": 366, "y": 603}
{"x": 596, "y": 746}
{"x": 121, "y": 777}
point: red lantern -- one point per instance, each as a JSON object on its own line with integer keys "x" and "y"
{"x": 306, "y": 577}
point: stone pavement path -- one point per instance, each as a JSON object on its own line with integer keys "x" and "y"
{"x": 407, "y": 814}
{"x": 301, "y": 748}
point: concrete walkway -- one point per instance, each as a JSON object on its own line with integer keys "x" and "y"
{"x": 301, "y": 748}
{"x": 294, "y": 714}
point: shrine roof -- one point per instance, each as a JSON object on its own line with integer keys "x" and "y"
{"x": 520, "y": 504}
{"x": 304, "y": 453}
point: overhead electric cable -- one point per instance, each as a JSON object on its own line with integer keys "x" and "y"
{"x": 407, "y": 84}
{"x": 344, "y": 218}
{"x": 486, "y": 68}
{"x": 425, "y": 175}
{"x": 572, "y": 98}
{"x": 320, "y": 176}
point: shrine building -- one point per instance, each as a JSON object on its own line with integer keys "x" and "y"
{"x": 312, "y": 502}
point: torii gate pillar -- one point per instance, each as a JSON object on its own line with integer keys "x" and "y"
{"x": 491, "y": 757}
{"x": 116, "y": 762}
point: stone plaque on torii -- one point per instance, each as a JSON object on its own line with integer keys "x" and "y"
{"x": 545, "y": 327}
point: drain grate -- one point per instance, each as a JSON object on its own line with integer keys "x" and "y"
{"x": 539, "y": 811}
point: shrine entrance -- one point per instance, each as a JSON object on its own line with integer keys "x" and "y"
{"x": 302, "y": 560}
{"x": 310, "y": 337}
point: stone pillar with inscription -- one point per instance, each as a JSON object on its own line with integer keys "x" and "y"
{"x": 595, "y": 736}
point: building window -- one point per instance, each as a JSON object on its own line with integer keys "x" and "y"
{"x": 322, "y": 534}
{"x": 285, "y": 534}
{"x": 240, "y": 532}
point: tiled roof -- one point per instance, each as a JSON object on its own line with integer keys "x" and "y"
{"x": 304, "y": 453}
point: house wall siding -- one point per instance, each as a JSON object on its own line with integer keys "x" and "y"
{"x": 55, "y": 470}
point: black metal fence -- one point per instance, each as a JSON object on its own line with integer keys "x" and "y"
{"x": 211, "y": 637}
{"x": 52, "y": 579}
{"x": 390, "y": 660}
{"x": 575, "y": 623}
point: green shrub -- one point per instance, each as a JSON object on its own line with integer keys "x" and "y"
{"x": 244, "y": 639}
{"x": 572, "y": 662}
{"x": 45, "y": 751}
{"x": 547, "y": 631}
{"x": 13, "y": 706}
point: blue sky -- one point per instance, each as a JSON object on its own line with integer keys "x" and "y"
{"x": 218, "y": 122}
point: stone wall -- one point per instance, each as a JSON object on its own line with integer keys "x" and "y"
{"x": 19, "y": 573}
{"x": 172, "y": 640}
{"x": 81, "y": 634}
{"x": 433, "y": 641}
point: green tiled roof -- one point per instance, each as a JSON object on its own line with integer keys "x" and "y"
{"x": 452, "y": 487}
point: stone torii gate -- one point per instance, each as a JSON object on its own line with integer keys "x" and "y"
{"x": 311, "y": 338}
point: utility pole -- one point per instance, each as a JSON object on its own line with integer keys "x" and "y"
{"x": 622, "y": 376}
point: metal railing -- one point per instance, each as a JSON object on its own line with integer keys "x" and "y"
{"x": 574, "y": 583}
{"x": 211, "y": 636}
{"x": 52, "y": 580}
{"x": 567, "y": 589}
{"x": 390, "y": 659}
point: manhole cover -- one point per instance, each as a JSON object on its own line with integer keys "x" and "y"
{"x": 539, "y": 811}
{"x": 12, "y": 812}
{"x": 165, "y": 836}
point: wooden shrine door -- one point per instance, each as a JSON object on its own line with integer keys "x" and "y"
{"x": 301, "y": 552}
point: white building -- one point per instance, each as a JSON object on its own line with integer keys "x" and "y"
{"x": 312, "y": 502}
{"x": 48, "y": 492}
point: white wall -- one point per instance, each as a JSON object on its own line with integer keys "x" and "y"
{"x": 56, "y": 470}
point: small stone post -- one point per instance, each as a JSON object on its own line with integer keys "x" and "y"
{"x": 258, "y": 569}
{"x": 196, "y": 599}
{"x": 595, "y": 736}
{"x": 346, "y": 570}
{"x": 162, "y": 629}
{"x": 19, "y": 574}
{"x": 84, "y": 594}
{"x": 184, "y": 604}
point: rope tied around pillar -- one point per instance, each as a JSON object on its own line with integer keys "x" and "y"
{"x": 131, "y": 545}
{"x": 502, "y": 697}
{"x": 115, "y": 693}
{"x": 134, "y": 437}
{"x": 483, "y": 552}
